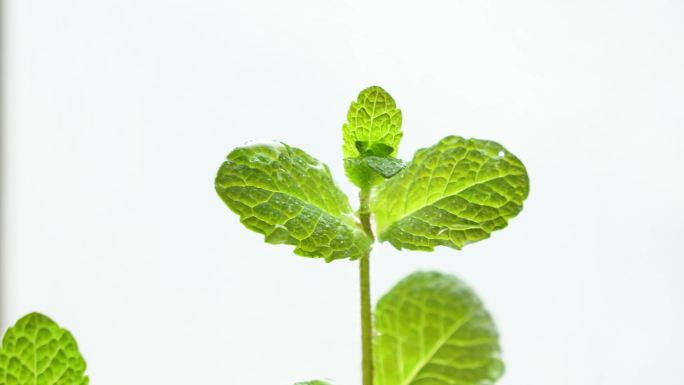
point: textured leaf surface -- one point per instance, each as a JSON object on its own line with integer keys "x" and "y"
{"x": 373, "y": 125}
{"x": 290, "y": 197}
{"x": 456, "y": 192}
{"x": 433, "y": 330}
{"x": 36, "y": 351}
{"x": 387, "y": 167}
{"x": 368, "y": 171}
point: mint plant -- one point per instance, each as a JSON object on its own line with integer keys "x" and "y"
{"x": 36, "y": 351}
{"x": 431, "y": 328}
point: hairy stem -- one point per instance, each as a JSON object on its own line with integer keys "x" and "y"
{"x": 366, "y": 312}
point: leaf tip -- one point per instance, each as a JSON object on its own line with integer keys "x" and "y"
{"x": 36, "y": 317}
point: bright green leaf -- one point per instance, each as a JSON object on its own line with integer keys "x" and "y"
{"x": 290, "y": 197}
{"x": 368, "y": 171}
{"x": 387, "y": 167}
{"x": 313, "y": 382}
{"x": 36, "y": 351}
{"x": 373, "y": 125}
{"x": 431, "y": 329}
{"x": 451, "y": 194}
{"x": 372, "y": 132}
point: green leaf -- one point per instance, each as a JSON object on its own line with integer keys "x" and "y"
{"x": 313, "y": 382}
{"x": 368, "y": 171}
{"x": 387, "y": 167}
{"x": 290, "y": 197}
{"x": 373, "y": 124}
{"x": 376, "y": 149}
{"x": 451, "y": 194}
{"x": 432, "y": 329}
{"x": 36, "y": 351}
{"x": 372, "y": 133}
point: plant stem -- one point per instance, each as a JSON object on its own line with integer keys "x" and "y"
{"x": 366, "y": 323}
{"x": 366, "y": 312}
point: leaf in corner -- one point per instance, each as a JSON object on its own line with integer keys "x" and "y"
{"x": 290, "y": 197}
{"x": 451, "y": 194}
{"x": 36, "y": 351}
{"x": 431, "y": 328}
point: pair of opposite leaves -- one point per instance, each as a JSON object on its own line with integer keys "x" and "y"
{"x": 430, "y": 329}
{"x": 451, "y": 194}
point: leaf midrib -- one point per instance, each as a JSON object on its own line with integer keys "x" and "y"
{"x": 342, "y": 216}
{"x": 438, "y": 346}
{"x": 426, "y": 204}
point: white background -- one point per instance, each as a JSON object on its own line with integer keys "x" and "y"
{"x": 119, "y": 112}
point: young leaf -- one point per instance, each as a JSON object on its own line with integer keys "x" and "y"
{"x": 432, "y": 329}
{"x": 36, "y": 351}
{"x": 387, "y": 167}
{"x": 290, "y": 197}
{"x": 313, "y": 382}
{"x": 372, "y": 133}
{"x": 368, "y": 171}
{"x": 373, "y": 125}
{"x": 454, "y": 193}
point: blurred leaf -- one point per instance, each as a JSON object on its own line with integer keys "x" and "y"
{"x": 431, "y": 329}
